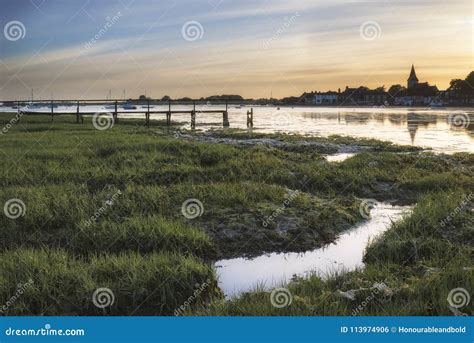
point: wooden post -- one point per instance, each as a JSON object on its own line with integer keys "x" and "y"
{"x": 168, "y": 114}
{"x": 115, "y": 113}
{"x": 147, "y": 115}
{"x": 52, "y": 111}
{"x": 193, "y": 119}
{"x": 250, "y": 118}
{"x": 77, "y": 113}
{"x": 225, "y": 119}
{"x": 225, "y": 115}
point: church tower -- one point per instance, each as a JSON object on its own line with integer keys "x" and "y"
{"x": 412, "y": 79}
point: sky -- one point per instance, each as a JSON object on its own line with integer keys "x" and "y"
{"x": 85, "y": 48}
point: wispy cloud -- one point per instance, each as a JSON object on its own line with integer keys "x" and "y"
{"x": 145, "y": 50}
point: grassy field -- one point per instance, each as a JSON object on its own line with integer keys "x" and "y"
{"x": 108, "y": 209}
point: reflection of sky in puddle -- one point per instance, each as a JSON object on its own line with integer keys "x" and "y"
{"x": 418, "y": 126}
{"x": 339, "y": 157}
{"x": 239, "y": 274}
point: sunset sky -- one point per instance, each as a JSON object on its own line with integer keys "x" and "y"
{"x": 249, "y": 47}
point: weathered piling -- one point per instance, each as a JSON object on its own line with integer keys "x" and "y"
{"x": 77, "y": 113}
{"x": 147, "y": 114}
{"x": 147, "y": 110}
{"x": 225, "y": 119}
{"x": 250, "y": 118}
{"x": 115, "y": 115}
{"x": 193, "y": 119}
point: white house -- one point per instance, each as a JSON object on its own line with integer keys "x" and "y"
{"x": 325, "y": 98}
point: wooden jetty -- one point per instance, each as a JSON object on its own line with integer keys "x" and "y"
{"x": 120, "y": 107}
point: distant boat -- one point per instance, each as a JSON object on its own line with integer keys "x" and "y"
{"x": 110, "y": 107}
{"x": 34, "y": 105}
{"x": 129, "y": 106}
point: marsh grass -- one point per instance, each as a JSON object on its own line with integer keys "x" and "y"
{"x": 103, "y": 208}
{"x": 418, "y": 260}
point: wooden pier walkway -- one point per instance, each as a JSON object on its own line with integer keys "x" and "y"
{"x": 130, "y": 107}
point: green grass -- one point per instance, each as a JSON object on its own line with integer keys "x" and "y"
{"x": 155, "y": 284}
{"x": 103, "y": 209}
{"x": 418, "y": 260}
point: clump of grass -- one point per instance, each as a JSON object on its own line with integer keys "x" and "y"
{"x": 440, "y": 225}
{"x": 155, "y": 284}
{"x": 396, "y": 280}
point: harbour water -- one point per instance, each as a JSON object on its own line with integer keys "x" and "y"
{"x": 446, "y": 130}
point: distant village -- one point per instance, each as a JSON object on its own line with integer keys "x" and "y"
{"x": 415, "y": 93}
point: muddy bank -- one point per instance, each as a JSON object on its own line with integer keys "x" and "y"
{"x": 295, "y": 143}
{"x": 299, "y": 223}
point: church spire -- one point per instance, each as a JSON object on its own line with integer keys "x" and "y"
{"x": 412, "y": 79}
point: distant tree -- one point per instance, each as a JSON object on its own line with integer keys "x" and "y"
{"x": 458, "y": 86}
{"x": 165, "y": 98}
{"x": 397, "y": 90}
{"x": 463, "y": 87}
{"x": 470, "y": 83}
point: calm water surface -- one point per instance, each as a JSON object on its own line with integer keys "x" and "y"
{"x": 238, "y": 275}
{"x": 423, "y": 127}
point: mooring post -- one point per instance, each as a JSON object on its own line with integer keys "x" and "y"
{"x": 225, "y": 115}
{"x": 193, "y": 119}
{"x": 147, "y": 115}
{"x": 168, "y": 114}
{"x": 52, "y": 110}
{"x": 115, "y": 113}
{"x": 250, "y": 118}
{"x": 77, "y": 113}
